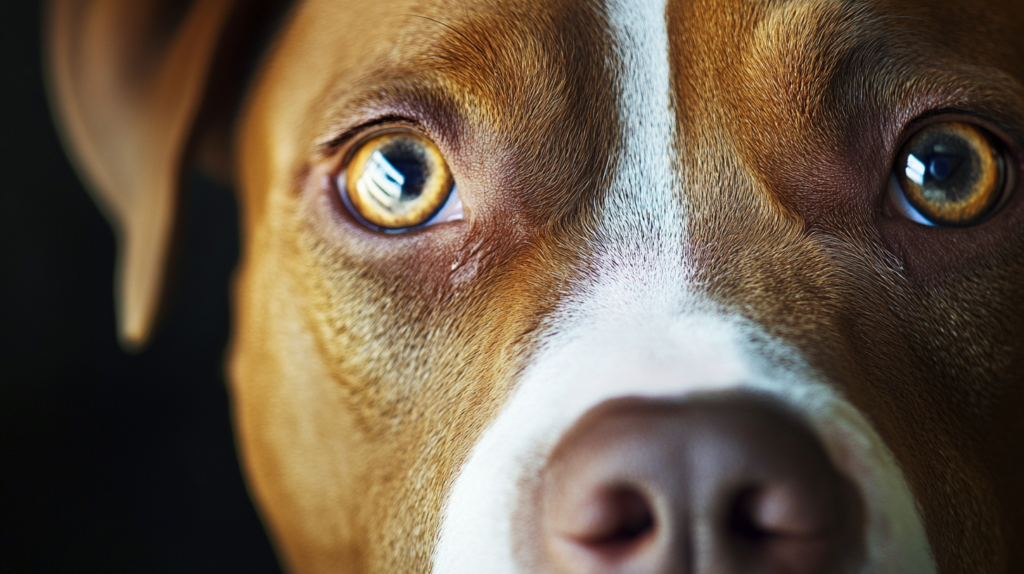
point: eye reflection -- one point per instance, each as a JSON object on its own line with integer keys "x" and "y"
{"x": 382, "y": 181}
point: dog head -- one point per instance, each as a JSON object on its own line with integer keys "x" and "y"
{"x": 696, "y": 286}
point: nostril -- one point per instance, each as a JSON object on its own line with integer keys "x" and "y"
{"x": 614, "y": 518}
{"x": 707, "y": 486}
{"x": 776, "y": 510}
{"x": 785, "y": 528}
{"x": 598, "y": 528}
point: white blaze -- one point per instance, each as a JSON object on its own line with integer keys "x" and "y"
{"x": 634, "y": 327}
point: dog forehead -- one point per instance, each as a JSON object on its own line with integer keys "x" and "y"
{"x": 755, "y": 86}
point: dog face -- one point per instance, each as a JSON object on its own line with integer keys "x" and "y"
{"x": 666, "y": 211}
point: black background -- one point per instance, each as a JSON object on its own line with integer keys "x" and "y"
{"x": 110, "y": 462}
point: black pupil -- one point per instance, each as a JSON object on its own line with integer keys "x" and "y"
{"x": 406, "y": 155}
{"x": 942, "y": 166}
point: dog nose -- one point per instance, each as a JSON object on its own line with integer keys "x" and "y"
{"x": 710, "y": 486}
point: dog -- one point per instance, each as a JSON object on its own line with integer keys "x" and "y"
{"x": 603, "y": 286}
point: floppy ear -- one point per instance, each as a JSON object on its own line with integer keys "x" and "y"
{"x": 136, "y": 86}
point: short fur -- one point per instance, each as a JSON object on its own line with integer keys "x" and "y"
{"x": 365, "y": 366}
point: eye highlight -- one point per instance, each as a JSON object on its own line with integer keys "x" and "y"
{"x": 397, "y": 180}
{"x": 949, "y": 174}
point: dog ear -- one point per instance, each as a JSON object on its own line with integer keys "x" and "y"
{"x": 136, "y": 86}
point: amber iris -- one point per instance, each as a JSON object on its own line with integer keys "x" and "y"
{"x": 397, "y": 180}
{"x": 952, "y": 173}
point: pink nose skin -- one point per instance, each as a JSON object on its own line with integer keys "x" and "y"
{"x": 709, "y": 486}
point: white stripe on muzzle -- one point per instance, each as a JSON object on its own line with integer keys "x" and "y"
{"x": 635, "y": 328}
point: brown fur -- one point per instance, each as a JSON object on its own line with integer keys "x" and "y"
{"x": 446, "y": 317}
{"x": 364, "y": 366}
{"x": 919, "y": 326}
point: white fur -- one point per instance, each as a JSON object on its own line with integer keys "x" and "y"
{"x": 635, "y": 328}
{"x": 658, "y": 355}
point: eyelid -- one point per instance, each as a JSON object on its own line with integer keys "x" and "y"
{"x": 1009, "y": 137}
{"x": 349, "y": 138}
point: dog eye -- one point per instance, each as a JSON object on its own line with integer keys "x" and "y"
{"x": 949, "y": 174}
{"x": 398, "y": 180}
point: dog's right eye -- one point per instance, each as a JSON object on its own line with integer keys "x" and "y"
{"x": 397, "y": 180}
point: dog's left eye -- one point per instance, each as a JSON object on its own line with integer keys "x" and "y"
{"x": 398, "y": 180}
{"x": 950, "y": 174}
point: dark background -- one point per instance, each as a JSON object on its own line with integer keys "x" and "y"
{"x": 109, "y": 462}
